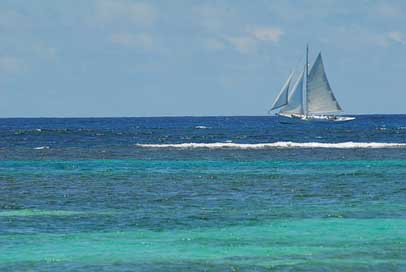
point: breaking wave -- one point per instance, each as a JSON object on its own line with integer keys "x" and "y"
{"x": 343, "y": 145}
{"x": 41, "y": 147}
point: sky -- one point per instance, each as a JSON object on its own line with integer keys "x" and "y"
{"x": 94, "y": 58}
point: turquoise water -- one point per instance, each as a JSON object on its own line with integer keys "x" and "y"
{"x": 92, "y": 202}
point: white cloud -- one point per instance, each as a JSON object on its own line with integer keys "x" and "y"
{"x": 139, "y": 13}
{"x": 386, "y": 10}
{"x": 252, "y": 39}
{"x": 397, "y": 37}
{"x": 215, "y": 44}
{"x": 12, "y": 65}
{"x": 267, "y": 34}
{"x": 211, "y": 18}
{"x": 243, "y": 44}
{"x": 377, "y": 39}
{"x": 355, "y": 37}
{"x": 141, "y": 40}
{"x": 133, "y": 18}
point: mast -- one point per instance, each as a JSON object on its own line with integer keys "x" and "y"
{"x": 307, "y": 77}
{"x": 307, "y": 60}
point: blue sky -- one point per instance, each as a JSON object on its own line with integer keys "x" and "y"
{"x": 188, "y": 57}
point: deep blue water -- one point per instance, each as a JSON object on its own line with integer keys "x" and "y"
{"x": 133, "y": 194}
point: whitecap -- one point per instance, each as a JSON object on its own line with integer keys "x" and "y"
{"x": 201, "y": 127}
{"x": 41, "y": 147}
{"x": 342, "y": 145}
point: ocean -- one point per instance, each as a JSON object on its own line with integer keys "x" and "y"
{"x": 202, "y": 194}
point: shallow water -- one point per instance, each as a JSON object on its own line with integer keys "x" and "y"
{"x": 84, "y": 195}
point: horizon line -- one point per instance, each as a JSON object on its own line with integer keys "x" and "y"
{"x": 173, "y": 116}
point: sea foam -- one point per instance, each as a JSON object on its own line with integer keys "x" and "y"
{"x": 41, "y": 147}
{"x": 343, "y": 145}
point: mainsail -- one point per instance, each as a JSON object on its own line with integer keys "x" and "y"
{"x": 320, "y": 97}
{"x": 295, "y": 100}
{"x": 282, "y": 98}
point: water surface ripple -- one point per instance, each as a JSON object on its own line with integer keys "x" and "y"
{"x": 117, "y": 194}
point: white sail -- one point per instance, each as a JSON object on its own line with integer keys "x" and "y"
{"x": 320, "y": 97}
{"x": 282, "y": 99}
{"x": 295, "y": 101}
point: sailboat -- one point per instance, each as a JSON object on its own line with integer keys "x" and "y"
{"x": 313, "y": 102}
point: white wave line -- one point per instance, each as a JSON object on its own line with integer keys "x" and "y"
{"x": 343, "y": 145}
{"x": 41, "y": 147}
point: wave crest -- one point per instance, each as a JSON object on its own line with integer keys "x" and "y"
{"x": 343, "y": 145}
{"x": 41, "y": 147}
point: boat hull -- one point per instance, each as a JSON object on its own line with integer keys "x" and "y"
{"x": 296, "y": 118}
